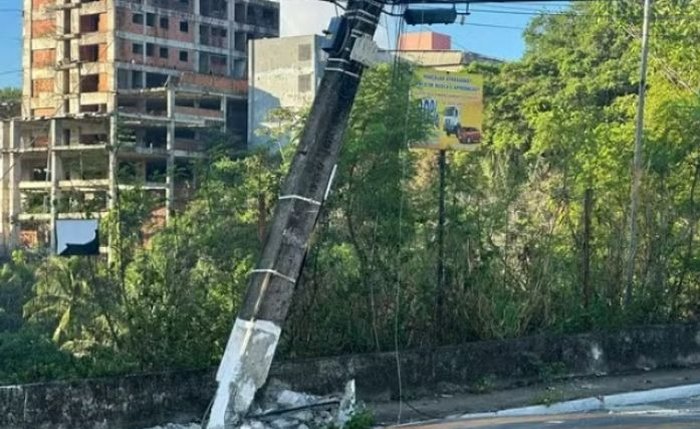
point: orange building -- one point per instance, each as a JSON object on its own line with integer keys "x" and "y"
{"x": 425, "y": 41}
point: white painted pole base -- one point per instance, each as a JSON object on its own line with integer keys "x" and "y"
{"x": 243, "y": 370}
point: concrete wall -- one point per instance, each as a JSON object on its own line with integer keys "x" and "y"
{"x": 140, "y": 401}
{"x": 283, "y": 73}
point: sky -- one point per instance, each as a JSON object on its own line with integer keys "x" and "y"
{"x": 492, "y": 29}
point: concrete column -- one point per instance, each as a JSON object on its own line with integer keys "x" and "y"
{"x": 28, "y": 12}
{"x": 14, "y": 176}
{"x": 62, "y": 56}
{"x": 112, "y": 193}
{"x": 194, "y": 26}
{"x": 4, "y": 187}
{"x": 224, "y": 111}
{"x": 55, "y": 137}
{"x": 253, "y": 123}
{"x": 170, "y": 149}
{"x": 231, "y": 33}
{"x": 112, "y": 163}
{"x": 112, "y": 53}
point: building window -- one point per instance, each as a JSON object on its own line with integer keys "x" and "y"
{"x": 137, "y": 48}
{"x": 239, "y": 41}
{"x": 122, "y": 79}
{"x": 164, "y": 23}
{"x": 137, "y": 18}
{"x": 89, "y": 53}
{"x": 184, "y": 27}
{"x": 239, "y": 69}
{"x": 305, "y": 52}
{"x": 163, "y": 52}
{"x": 304, "y": 83}
{"x": 183, "y": 56}
{"x": 150, "y": 19}
{"x": 218, "y": 60}
{"x": 90, "y": 83}
{"x": 136, "y": 79}
{"x": 150, "y": 49}
{"x": 90, "y": 23}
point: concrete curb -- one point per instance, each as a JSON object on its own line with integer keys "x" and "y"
{"x": 599, "y": 403}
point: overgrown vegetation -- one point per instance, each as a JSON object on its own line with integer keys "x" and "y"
{"x": 10, "y": 103}
{"x": 557, "y": 153}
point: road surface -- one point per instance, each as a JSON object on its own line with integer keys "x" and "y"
{"x": 683, "y": 414}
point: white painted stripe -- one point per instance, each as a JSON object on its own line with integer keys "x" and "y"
{"x": 229, "y": 372}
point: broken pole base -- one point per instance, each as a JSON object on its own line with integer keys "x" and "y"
{"x": 269, "y": 294}
{"x": 243, "y": 370}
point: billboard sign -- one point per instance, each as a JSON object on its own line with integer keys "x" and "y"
{"x": 454, "y": 102}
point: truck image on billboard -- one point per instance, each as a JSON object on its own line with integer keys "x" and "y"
{"x": 454, "y": 103}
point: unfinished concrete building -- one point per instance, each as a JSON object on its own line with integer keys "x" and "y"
{"x": 118, "y": 93}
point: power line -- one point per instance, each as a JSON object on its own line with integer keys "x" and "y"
{"x": 506, "y": 27}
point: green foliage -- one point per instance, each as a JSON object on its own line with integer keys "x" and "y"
{"x": 27, "y": 355}
{"x": 16, "y": 280}
{"x": 10, "y": 102}
{"x": 360, "y": 419}
{"x": 363, "y": 419}
{"x": 548, "y": 397}
{"x": 559, "y": 123}
{"x": 9, "y": 94}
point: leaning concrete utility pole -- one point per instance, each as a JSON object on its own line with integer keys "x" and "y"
{"x": 256, "y": 331}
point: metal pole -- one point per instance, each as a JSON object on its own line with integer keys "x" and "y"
{"x": 439, "y": 290}
{"x": 256, "y": 331}
{"x": 637, "y": 163}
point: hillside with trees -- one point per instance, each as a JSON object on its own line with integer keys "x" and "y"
{"x": 537, "y": 234}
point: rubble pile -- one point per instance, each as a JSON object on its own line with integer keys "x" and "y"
{"x": 281, "y": 408}
{"x": 278, "y": 407}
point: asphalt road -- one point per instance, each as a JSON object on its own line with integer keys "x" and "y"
{"x": 597, "y": 421}
{"x": 683, "y": 414}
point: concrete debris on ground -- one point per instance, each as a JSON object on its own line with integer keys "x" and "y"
{"x": 278, "y": 407}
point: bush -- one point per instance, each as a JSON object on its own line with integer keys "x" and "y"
{"x": 28, "y": 356}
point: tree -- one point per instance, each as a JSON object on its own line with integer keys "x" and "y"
{"x": 16, "y": 280}
{"x": 10, "y": 103}
{"x": 346, "y": 301}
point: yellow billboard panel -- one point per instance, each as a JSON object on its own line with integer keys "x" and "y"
{"x": 455, "y": 103}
